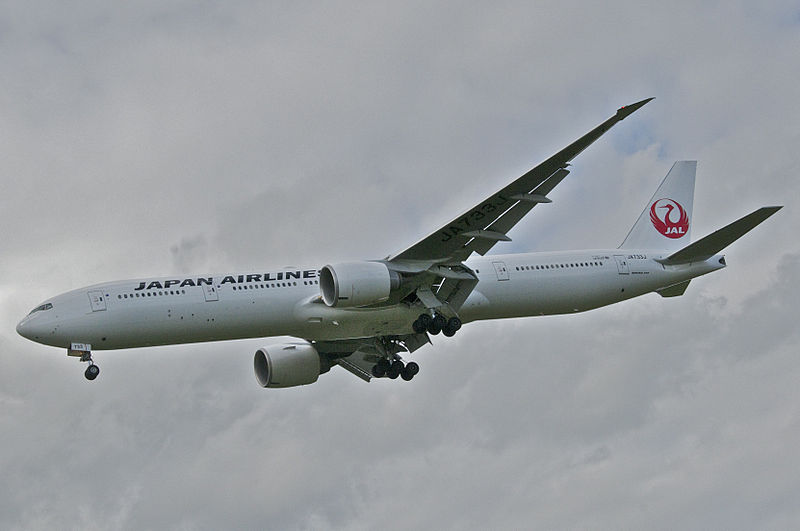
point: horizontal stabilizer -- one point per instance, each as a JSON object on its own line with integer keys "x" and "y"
{"x": 707, "y": 247}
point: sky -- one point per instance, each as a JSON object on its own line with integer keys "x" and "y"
{"x": 151, "y": 139}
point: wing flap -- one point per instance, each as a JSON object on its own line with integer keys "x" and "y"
{"x": 356, "y": 369}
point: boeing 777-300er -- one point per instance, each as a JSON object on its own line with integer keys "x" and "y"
{"x": 362, "y": 315}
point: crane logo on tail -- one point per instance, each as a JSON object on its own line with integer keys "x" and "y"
{"x": 669, "y": 218}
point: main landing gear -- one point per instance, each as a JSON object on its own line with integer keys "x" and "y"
{"x": 395, "y": 368}
{"x": 437, "y": 323}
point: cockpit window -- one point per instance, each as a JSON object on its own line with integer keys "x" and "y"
{"x": 43, "y": 307}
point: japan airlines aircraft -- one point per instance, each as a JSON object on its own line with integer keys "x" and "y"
{"x": 361, "y": 315}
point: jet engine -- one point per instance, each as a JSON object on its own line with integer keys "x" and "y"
{"x": 287, "y": 365}
{"x": 353, "y": 284}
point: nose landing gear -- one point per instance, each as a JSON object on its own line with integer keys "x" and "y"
{"x": 91, "y": 371}
{"x": 84, "y": 351}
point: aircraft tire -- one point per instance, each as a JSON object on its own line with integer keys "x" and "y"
{"x": 378, "y": 371}
{"x": 452, "y": 326}
{"x": 395, "y": 369}
{"x": 91, "y": 372}
{"x": 423, "y": 322}
{"x": 436, "y": 324}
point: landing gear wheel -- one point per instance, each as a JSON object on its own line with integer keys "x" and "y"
{"x": 380, "y": 368}
{"x": 453, "y": 325}
{"x": 436, "y": 324}
{"x": 395, "y": 369}
{"x": 409, "y": 371}
{"x": 91, "y": 372}
{"x": 422, "y": 323}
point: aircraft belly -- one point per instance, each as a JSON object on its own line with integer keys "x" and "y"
{"x": 320, "y": 322}
{"x": 542, "y": 293}
{"x": 244, "y": 318}
{"x": 182, "y": 321}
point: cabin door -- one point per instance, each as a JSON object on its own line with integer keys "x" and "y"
{"x": 210, "y": 293}
{"x": 501, "y": 270}
{"x": 622, "y": 264}
{"x": 97, "y": 300}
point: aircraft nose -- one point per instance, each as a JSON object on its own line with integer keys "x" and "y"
{"x": 22, "y": 328}
{"x": 29, "y": 328}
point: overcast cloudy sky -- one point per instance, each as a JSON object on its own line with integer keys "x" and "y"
{"x": 152, "y": 138}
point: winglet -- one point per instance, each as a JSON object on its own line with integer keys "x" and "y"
{"x": 627, "y": 110}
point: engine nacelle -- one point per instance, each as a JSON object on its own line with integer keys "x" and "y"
{"x": 287, "y": 365}
{"x": 353, "y": 284}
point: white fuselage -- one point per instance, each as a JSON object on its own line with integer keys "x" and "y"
{"x": 172, "y": 310}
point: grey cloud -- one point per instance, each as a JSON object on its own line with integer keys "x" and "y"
{"x": 139, "y": 140}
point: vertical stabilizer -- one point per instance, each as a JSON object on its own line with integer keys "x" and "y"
{"x": 666, "y": 222}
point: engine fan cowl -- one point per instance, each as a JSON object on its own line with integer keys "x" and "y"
{"x": 287, "y": 365}
{"x": 354, "y": 284}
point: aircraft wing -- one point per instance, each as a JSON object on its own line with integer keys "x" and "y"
{"x": 436, "y": 277}
{"x": 482, "y": 226}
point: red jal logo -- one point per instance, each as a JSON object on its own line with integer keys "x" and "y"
{"x": 663, "y": 218}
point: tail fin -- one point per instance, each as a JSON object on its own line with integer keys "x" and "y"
{"x": 707, "y": 247}
{"x": 665, "y": 223}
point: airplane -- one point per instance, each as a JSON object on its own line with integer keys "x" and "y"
{"x": 361, "y": 315}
